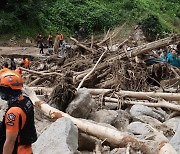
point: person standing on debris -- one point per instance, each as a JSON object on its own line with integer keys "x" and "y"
{"x": 60, "y": 39}
{"x": 50, "y": 40}
{"x": 41, "y": 47}
{"x": 39, "y": 39}
{"x": 17, "y": 129}
{"x": 13, "y": 64}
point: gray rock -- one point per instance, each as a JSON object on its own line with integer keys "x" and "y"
{"x": 82, "y": 105}
{"x": 139, "y": 128}
{"x": 175, "y": 141}
{"x": 173, "y": 123}
{"x": 85, "y": 142}
{"x": 104, "y": 116}
{"x": 137, "y": 110}
{"x": 146, "y": 131}
{"x": 123, "y": 120}
{"x": 167, "y": 131}
{"x": 60, "y": 137}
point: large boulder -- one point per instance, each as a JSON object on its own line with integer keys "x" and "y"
{"x": 104, "y": 116}
{"x": 60, "y": 137}
{"x": 123, "y": 120}
{"x": 167, "y": 131}
{"x": 173, "y": 123}
{"x": 143, "y": 130}
{"x": 175, "y": 141}
{"x": 82, "y": 105}
{"x": 137, "y": 110}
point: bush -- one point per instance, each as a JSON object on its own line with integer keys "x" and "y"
{"x": 152, "y": 27}
{"x": 8, "y": 23}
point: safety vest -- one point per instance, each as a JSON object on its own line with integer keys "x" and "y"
{"x": 27, "y": 63}
{"x": 60, "y": 36}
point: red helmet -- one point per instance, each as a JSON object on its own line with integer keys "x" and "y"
{"x": 11, "y": 79}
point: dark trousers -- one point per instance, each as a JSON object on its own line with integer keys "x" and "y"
{"x": 41, "y": 51}
{"x": 50, "y": 44}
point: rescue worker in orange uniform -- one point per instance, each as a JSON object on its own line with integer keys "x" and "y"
{"x": 39, "y": 39}
{"x": 25, "y": 62}
{"x": 4, "y": 67}
{"x": 60, "y": 39}
{"x": 17, "y": 130}
{"x": 50, "y": 40}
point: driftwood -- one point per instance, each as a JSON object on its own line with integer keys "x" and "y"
{"x": 90, "y": 71}
{"x": 34, "y": 82}
{"x": 113, "y": 136}
{"x": 110, "y": 36}
{"x": 174, "y": 71}
{"x": 79, "y": 75}
{"x": 148, "y": 47}
{"x": 159, "y": 104}
{"x": 154, "y": 45}
{"x": 81, "y": 45}
{"x": 167, "y": 149}
{"x": 40, "y": 73}
{"x": 139, "y": 95}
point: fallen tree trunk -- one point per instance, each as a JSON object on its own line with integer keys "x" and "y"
{"x": 113, "y": 136}
{"x": 167, "y": 149}
{"x": 81, "y": 45}
{"x": 34, "y": 82}
{"x": 148, "y": 47}
{"x": 40, "y": 73}
{"x": 91, "y": 70}
{"x": 79, "y": 75}
{"x": 159, "y": 104}
{"x": 139, "y": 95}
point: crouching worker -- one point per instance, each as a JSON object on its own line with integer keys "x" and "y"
{"x": 17, "y": 131}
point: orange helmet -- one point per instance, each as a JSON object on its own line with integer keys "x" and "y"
{"x": 11, "y": 79}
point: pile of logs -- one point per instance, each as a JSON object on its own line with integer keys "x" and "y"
{"x": 115, "y": 77}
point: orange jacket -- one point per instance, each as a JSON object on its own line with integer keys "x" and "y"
{"x": 27, "y": 63}
{"x": 23, "y": 61}
{"x": 60, "y": 36}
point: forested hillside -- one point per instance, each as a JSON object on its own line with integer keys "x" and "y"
{"x": 28, "y": 17}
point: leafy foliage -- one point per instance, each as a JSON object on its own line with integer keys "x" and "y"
{"x": 152, "y": 27}
{"x": 88, "y": 16}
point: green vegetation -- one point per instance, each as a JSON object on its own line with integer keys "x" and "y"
{"x": 28, "y": 17}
